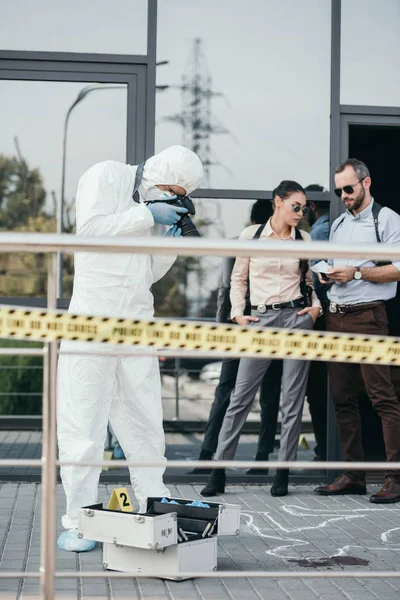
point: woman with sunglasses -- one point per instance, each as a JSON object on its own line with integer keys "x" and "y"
{"x": 279, "y": 299}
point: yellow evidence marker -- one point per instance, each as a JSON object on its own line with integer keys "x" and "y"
{"x": 303, "y": 443}
{"x": 120, "y": 499}
{"x": 107, "y": 455}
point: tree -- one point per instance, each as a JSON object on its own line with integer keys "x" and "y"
{"x": 210, "y": 308}
{"x": 22, "y": 208}
{"x": 171, "y": 298}
{"x": 22, "y": 195}
{"x": 171, "y": 292}
{"x": 22, "y": 200}
{"x": 21, "y": 381}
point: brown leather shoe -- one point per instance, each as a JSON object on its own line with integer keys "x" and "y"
{"x": 344, "y": 484}
{"x": 389, "y": 493}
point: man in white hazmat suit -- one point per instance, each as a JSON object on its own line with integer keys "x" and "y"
{"x": 126, "y": 389}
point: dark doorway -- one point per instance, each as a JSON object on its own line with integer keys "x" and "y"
{"x": 379, "y": 147}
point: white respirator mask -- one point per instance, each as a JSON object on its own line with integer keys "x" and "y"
{"x": 154, "y": 193}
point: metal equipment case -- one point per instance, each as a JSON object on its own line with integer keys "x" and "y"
{"x": 169, "y": 538}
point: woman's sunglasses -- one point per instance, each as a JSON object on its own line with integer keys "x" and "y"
{"x": 297, "y": 208}
{"x": 348, "y": 189}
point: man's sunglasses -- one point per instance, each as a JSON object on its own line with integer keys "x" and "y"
{"x": 297, "y": 208}
{"x": 348, "y": 189}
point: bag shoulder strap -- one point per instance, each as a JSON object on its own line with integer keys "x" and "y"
{"x": 303, "y": 262}
{"x": 256, "y": 236}
{"x": 259, "y": 231}
{"x": 298, "y": 236}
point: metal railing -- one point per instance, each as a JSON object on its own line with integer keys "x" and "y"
{"x": 188, "y": 246}
{"x": 176, "y": 370}
{"x": 18, "y": 242}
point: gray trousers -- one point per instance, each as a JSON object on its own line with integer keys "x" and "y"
{"x": 250, "y": 374}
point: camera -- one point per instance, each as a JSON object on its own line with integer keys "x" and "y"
{"x": 185, "y": 222}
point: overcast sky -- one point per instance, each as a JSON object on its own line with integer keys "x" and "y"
{"x": 270, "y": 59}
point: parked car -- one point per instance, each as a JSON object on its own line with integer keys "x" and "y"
{"x": 211, "y": 372}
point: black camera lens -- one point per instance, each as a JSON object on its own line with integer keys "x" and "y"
{"x": 185, "y": 222}
{"x": 188, "y": 227}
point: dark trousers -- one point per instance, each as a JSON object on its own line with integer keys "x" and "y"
{"x": 344, "y": 380}
{"x": 317, "y": 397}
{"x": 270, "y": 391}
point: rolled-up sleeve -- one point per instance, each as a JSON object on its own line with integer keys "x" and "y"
{"x": 309, "y": 275}
{"x": 224, "y": 288}
{"x": 314, "y": 298}
{"x": 239, "y": 282}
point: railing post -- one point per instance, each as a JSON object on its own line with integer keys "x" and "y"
{"x": 177, "y": 369}
{"x": 48, "y": 504}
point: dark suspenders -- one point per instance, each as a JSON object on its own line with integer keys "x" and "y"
{"x": 376, "y": 209}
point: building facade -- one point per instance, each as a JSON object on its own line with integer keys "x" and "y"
{"x": 263, "y": 90}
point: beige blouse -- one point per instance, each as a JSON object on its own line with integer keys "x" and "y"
{"x": 272, "y": 279}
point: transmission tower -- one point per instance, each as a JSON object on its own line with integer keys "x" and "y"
{"x": 196, "y": 118}
{"x": 198, "y": 126}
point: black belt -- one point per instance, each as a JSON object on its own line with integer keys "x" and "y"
{"x": 347, "y": 308}
{"x": 262, "y": 308}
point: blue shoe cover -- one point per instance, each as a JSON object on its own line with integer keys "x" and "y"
{"x": 70, "y": 542}
{"x": 118, "y": 453}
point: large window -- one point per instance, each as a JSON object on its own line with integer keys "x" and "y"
{"x": 33, "y": 120}
{"x": 370, "y": 52}
{"x": 248, "y": 87}
{"x": 99, "y": 26}
{"x": 195, "y": 279}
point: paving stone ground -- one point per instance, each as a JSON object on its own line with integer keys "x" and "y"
{"x": 301, "y": 532}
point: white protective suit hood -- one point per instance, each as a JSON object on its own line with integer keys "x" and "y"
{"x": 175, "y": 165}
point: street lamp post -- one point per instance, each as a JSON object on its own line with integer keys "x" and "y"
{"x": 60, "y": 209}
{"x": 61, "y": 205}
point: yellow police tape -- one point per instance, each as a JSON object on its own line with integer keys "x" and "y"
{"x": 39, "y": 325}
